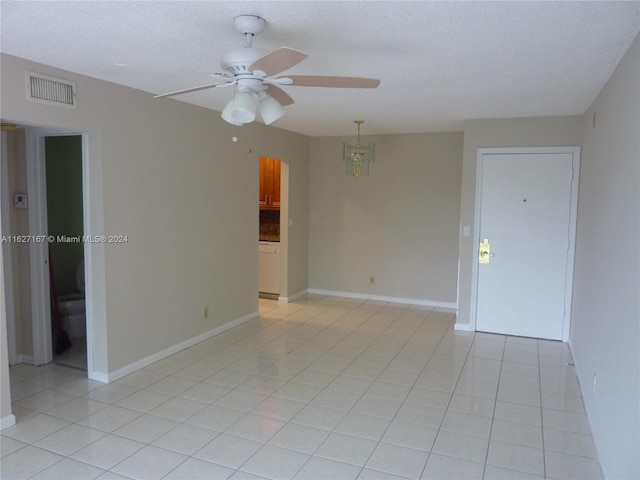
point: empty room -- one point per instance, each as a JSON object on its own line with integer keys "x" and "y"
{"x": 440, "y": 278}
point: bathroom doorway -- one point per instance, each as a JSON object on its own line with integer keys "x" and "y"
{"x": 63, "y": 173}
{"x": 29, "y": 327}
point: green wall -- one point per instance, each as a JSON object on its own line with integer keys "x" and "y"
{"x": 64, "y": 207}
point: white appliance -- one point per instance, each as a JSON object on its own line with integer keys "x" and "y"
{"x": 269, "y": 267}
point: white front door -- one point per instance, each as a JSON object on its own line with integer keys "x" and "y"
{"x": 527, "y": 224}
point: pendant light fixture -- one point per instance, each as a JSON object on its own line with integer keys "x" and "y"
{"x": 358, "y": 157}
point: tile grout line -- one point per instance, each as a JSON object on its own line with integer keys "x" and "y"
{"x": 435, "y": 439}
{"x": 544, "y": 452}
{"x": 495, "y": 404}
{"x": 312, "y": 455}
{"x": 322, "y": 389}
{"x": 402, "y": 402}
{"x": 361, "y": 395}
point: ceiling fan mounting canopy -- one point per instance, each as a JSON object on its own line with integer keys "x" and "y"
{"x": 249, "y": 24}
{"x": 254, "y": 71}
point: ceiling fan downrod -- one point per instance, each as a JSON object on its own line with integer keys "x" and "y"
{"x": 249, "y": 26}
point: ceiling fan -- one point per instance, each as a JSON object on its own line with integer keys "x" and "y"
{"x": 254, "y": 75}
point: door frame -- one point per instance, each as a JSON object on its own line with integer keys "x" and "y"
{"x": 573, "y": 216}
{"x": 38, "y": 252}
{"x": 284, "y": 226}
{"x": 94, "y": 266}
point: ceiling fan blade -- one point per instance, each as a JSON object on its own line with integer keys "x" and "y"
{"x": 280, "y": 95}
{"x": 193, "y": 89}
{"x": 278, "y": 61}
{"x": 333, "y": 82}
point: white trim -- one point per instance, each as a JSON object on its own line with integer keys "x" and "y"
{"x": 7, "y": 265}
{"x": 588, "y": 407}
{"x": 94, "y": 265}
{"x": 475, "y": 242}
{"x": 293, "y": 297}
{"x": 93, "y": 252}
{"x": 8, "y": 421}
{"x": 27, "y": 359}
{"x": 402, "y": 300}
{"x": 38, "y": 251}
{"x": 99, "y": 376}
{"x": 575, "y": 151}
{"x": 133, "y": 367}
{"x": 571, "y": 256}
{"x": 463, "y": 327}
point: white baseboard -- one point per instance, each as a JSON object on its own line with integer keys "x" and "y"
{"x": 464, "y": 327}
{"x": 28, "y": 359}
{"x": 98, "y": 376}
{"x": 381, "y": 298}
{"x": 133, "y": 367}
{"x": 8, "y": 421}
{"x": 587, "y": 399}
{"x": 293, "y": 297}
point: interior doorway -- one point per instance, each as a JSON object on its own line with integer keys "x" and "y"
{"x": 273, "y": 233}
{"x": 29, "y": 330}
{"x": 31, "y": 337}
{"x": 63, "y": 168}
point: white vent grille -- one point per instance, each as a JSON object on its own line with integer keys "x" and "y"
{"x": 50, "y": 91}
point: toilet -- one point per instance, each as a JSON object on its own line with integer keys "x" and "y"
{"x": 72, "y": 308}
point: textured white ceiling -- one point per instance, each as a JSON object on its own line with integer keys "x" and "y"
{"x": 439, "y": 62}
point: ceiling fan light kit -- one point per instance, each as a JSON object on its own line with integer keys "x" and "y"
{"x": 253, "y": 73}
{"x": 270, "y": 109}
{"x": 227, "y": 116}
{"x": 244, "y": 107}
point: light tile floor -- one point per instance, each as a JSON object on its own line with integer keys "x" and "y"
{"x": 320, "y": 388}
{"x": 75, "y": 356}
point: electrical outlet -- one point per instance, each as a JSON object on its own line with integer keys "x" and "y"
{"x": 206, "y": 312}
{"x": 372, "y": 279}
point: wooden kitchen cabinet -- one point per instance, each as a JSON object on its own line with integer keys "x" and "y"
{"x": 269, "y": 198}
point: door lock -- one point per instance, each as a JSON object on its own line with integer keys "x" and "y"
{"x": 484, "y": 254}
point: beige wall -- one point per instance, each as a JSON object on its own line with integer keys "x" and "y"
{"x": 523, "y": 132}
{"x": 19, "y": 225}
{"x": 167, "y": 175}
{"x": 6, "y": 417}
{"x": 399, "y": 224}
{"x": 605, "y": 329}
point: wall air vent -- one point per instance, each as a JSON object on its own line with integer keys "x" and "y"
{"x": 51, "y": 91}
